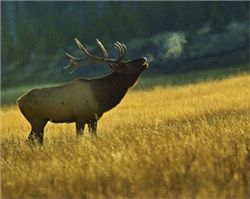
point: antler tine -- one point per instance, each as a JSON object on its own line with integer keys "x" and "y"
{"x": 124, "y": 49}
{"x": 71, "y": 56}
{"x": 120, "y": 44}
{"x": 124, "y": 46}
{"x": 82, "y": 47}
{"x": 104, "y": 51}
{"x": 120, "y": 48}
{"x": 72, "y": 60}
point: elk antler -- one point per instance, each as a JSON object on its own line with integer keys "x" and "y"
{"x": 93, "y": 59}
{"x": 122, "y": 49}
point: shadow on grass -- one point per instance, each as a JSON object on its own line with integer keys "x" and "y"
{"x": 10, "y": 95}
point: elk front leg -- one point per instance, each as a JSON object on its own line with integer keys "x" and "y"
{"x": 93, "y": 127}
{"x": 36, "y": 137}
{"x": 79, "y": 128}
{"x": 37, "y": 131}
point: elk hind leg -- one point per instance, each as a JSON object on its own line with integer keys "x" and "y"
{"x": 79, "y": 128}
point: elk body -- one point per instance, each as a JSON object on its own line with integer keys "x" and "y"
{"x": 82, "y": 101}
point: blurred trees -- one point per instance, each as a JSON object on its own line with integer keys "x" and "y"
{"x": 47, "y": 27}
{"x": 34, "y": 29}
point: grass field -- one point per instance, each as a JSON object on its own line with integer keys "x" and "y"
{"x": 188, "y": 141}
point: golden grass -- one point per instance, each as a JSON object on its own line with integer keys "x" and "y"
{"x": 169, "y": 142}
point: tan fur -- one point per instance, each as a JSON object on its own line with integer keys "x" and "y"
{"x": 59, "y": 104}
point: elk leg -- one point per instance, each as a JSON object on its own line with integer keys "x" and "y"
{"x": 36, "y": 136}
{"x": 79, "y": 128}
{"x": 92, "y": 127}
{"x": 31, "y": 137}
{"x": 37, "y": 131}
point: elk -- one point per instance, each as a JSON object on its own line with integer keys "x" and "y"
{"x": 82, "y": 101}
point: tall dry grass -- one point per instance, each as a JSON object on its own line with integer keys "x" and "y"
{"x": 170, "y": 142}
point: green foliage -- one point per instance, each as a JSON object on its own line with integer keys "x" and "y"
{"x": 46, "y": 27}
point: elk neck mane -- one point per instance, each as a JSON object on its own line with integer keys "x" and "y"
{"x": 109, "y": 90}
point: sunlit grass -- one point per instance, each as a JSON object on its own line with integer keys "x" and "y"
{"x": 169, "y": 142}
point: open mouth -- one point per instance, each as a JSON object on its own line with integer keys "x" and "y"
{"x": 145, "y": 64}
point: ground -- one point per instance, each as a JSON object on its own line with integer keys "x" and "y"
{"x": 178, "y": 141}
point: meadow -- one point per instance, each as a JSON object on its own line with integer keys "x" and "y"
{"x": 167, "y": 141}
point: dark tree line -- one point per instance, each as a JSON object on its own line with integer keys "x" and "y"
{"x": 36, "y": 34}
{"x": 48, "y": 27}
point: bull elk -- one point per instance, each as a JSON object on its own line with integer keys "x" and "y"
{"x": 82, "y": 101}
